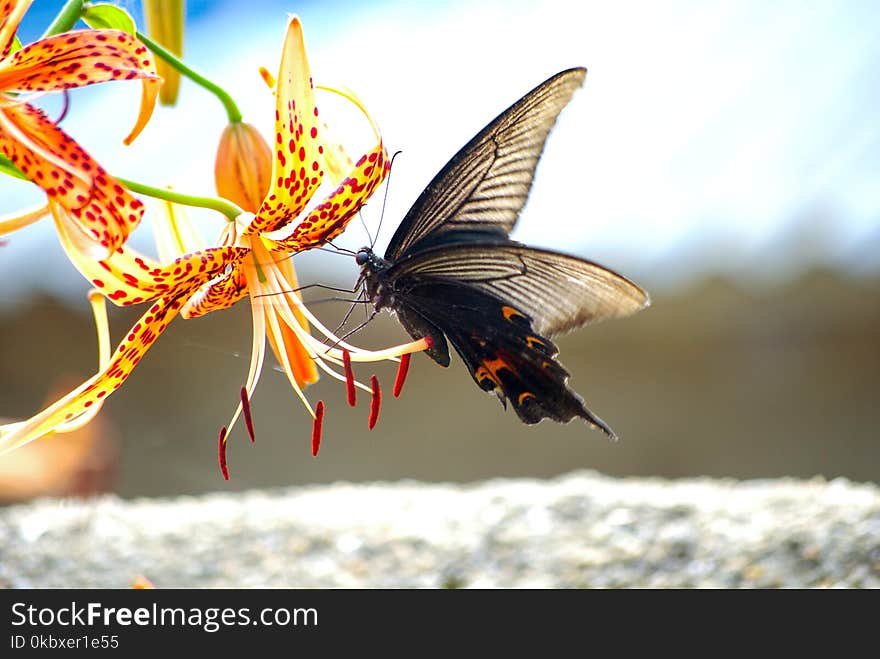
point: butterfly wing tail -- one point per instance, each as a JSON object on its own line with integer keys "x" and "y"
{"x": 501, "y": 350}
{"x": 522, "y": 369}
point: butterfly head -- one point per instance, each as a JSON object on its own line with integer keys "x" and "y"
{"x": 363, "y": 256}
{"x": 369, "y": 261}
{"x": 372, "y": 268}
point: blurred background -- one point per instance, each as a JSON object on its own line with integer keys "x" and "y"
{"x": 724, "y": 155}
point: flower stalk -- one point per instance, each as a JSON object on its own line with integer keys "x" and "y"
{"x": 232, "y": 111}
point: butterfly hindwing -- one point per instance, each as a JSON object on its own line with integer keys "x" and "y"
{"x": 498, "y": 345}
{"x": 485, "y": 185}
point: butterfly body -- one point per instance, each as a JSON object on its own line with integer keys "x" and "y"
{"x": 451, "y": 273}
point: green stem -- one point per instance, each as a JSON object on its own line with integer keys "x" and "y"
{"x": 229, "y": 209}
{"x": 232, "y": 110}
{"x": 66, "y": 18}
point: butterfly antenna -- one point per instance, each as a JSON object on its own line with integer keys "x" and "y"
{"x": 384, "y": 200}
{"x": 364, "y": 225}
{"x": 342, "y": 250}
{"x": 336, "y": 251}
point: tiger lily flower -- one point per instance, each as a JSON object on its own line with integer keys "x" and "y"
{"x": 251, "y": 258}
{"x": 96, "y": 205}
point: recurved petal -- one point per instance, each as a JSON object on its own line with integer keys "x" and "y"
{"x": 11, "y": 12}
{"x": 80, "y": 58}
{"x": 330, "y": 218}
{"x": 297, "y": 165}
{"x": 70, "y": 177}
{"x": 127, "y": 277}
{"x": 94, "y": 390}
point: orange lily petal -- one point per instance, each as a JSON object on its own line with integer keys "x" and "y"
{"x": 95, "y": 389}
{"x": 149, "y": 94}
{"x": 330, "y": 218}
{"x": 106, "y": 211}
{"x": 185, "y": 273}
{"x": 165, "y": 21}
{"x": 127, "y": 277}
{"x": 304, "y": 370}
{"x": 296, "y": 169}
{"x": 10, "y": 16}
{"x": 80, "y": 58}
{"x": 301, "y": 364}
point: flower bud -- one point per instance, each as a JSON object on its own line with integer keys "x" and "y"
{"x": 165, "y": 21}
{"x": 243, "y": 168}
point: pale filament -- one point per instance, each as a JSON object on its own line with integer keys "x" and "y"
{"x": 356, "y": 354}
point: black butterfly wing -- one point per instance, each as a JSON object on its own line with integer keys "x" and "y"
{"x": 485, "y": 185}
{"x": 556, "y": 291}
{"x": 498, "y": 345}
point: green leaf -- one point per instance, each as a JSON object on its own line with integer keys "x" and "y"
{"x": 105, "y": 16}
{"x": 16, "y": 45}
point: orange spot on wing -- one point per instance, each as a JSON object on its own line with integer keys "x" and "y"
{"x": 523, "y": 396}
{"x": 510, "y": 312}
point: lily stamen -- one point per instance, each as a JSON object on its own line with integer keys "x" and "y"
{"x": 246, "y": 412}
{"x": 375, "y": 402}
{"x": 317, "y": 425}
{"x": 402, "y": 370}
{"x": 349, "y": 378}
{"x": 221, "y": 453}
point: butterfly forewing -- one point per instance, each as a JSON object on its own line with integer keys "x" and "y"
{"x": 559, "y": 292}
{"x": 486, "y": 184}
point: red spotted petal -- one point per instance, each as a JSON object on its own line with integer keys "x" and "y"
{"x": 80, "y": 58}
{"x": 11, "y": 12}
{"x": 330, "y": 218}
{"x": 217, "y": 295}
{"x": 186, "y": 273}
{"x": 106, "y": 211}
{"x": 128, "y": 277}
{"x": 297, "y": 168}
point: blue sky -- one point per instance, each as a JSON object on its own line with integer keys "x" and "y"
{"x": 736, "y": 137}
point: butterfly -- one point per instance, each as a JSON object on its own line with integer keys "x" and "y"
{"x": 451, "y": 272}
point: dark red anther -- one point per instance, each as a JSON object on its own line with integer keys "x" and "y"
{"x": 402, "y": 370}
{"x": 375, "y": 403}
{"x": 316, "y": 427}
{"x": 221, "y": 453}
{"x": 246, "y": 412}
{"x": 429, "y": 341}
{"x": 349, "y": 378}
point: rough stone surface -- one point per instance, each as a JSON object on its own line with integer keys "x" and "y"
{"x": 578, "y": 531}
